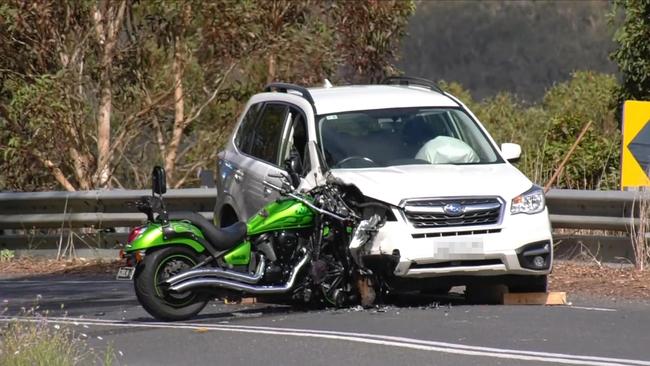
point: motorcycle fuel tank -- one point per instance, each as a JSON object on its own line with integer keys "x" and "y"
{"x": 281, "y": 215}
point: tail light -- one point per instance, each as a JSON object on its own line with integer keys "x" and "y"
{"x": 135, "y": 233}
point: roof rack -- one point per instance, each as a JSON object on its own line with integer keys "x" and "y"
{"x": 285, "y": 87}
{"x": 408, "y": 80}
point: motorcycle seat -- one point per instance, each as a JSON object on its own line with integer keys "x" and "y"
{"x": 220, "y": 238}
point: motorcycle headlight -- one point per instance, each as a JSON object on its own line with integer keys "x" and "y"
{"x": 530, "y": 202}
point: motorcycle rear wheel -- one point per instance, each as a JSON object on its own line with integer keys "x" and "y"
{"x": 156, "y": 267}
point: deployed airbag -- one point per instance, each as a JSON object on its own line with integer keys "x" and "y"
{"x": 447, "y": 150}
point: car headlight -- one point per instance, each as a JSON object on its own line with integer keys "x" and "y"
{"x": 530, "y": 202}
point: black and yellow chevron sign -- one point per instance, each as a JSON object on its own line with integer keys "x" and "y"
{"x": 635, "y": 161}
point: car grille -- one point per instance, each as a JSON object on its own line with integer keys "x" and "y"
{"x": 431, "y": 213}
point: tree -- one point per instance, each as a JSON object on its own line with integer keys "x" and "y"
{"x": 61, "y": 107}
{"x": 93, "y": 93}
{"x": 107, "y": 22}
{"x": 370, "y": 34}
{"x": 633, "y": 52}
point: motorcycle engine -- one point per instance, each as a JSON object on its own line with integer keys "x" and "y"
{"x": 279, "y": 248}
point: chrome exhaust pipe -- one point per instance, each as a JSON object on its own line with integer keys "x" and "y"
{"x": 238, "y": 286}
{"x": 220, "y": 273}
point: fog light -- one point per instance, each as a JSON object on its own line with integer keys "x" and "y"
{"x": 536, "y": 256}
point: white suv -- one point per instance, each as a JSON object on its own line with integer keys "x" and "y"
{"x": 462, "y": 214}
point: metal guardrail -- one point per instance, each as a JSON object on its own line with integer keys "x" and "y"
{"x": 598, "y": 210}
{"x": 98, "y": 209}
{"x": 605, "y": 210}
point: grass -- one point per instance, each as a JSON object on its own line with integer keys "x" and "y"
{"x": 40, "y": 343}
{"x": 638, "y": 232}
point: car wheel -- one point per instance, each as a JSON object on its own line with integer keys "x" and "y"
{"x": 529, "y": 284}
{"x": 485, "y": 293}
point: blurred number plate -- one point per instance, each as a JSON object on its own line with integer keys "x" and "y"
{"x": 125, "y": 273}
{"x": 455, "y": 249}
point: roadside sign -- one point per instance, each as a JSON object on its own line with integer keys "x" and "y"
{"x": 635, "y": 160}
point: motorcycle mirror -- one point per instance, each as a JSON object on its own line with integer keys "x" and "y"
{"x": 293, "y": 166}
{"x": 158, "y": 181}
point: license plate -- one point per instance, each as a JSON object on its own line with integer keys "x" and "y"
{"x": 458, "y": 249}
{"x": 125, "y": 273}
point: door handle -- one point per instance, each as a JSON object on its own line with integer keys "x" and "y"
{"x": 239, "y": 175}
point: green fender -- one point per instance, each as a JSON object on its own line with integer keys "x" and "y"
{"x": 152, "y": 237}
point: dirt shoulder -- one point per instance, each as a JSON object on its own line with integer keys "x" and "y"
{"x": 40, "y": 267}
{"x": 609, "y": 281}
{"x": 575, "y": 278}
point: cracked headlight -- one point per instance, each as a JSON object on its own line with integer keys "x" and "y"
{"x": 530, "y": 202}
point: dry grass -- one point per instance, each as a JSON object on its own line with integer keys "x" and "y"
{"x": 37, "y": 342}
{"x": 638, "y": 232}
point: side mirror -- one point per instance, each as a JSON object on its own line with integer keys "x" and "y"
{"x": 293, "y": 166}
{"x": 158, "y": 181}
{"x": 511, "y": 152}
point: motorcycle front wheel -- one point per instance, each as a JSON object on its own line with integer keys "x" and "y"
{"x": 155, "y": 299}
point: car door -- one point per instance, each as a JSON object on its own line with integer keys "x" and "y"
{"x": 233, "y": 162}
{"x": 263, "y": 155}
{"x": 293, "y": 143}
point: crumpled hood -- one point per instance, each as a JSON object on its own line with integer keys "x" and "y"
{"x": 394, "y": 184}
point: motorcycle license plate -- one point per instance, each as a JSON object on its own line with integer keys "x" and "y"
{"x": 125, "y": 273}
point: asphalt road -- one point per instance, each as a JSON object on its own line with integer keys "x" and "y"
{"x": 414, "y": 331}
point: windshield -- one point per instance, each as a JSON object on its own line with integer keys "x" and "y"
{"x": 389, "y": 137}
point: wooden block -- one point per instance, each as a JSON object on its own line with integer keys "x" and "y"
{"x": 240, "y": 301}
{"x": 535, "y": 298}
{"x": 249, "y": 300}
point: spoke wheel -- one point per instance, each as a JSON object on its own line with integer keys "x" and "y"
{"x": 169, "y": 267}
{"x": 334, "y": 285}
{"x": 157, "y": 266}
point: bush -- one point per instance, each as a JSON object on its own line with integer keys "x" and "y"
{"x": 547, "y": 130}
{"x": 568, "y": 106}
{"x": 7, "y": 255}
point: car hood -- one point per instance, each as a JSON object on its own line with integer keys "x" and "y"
{"x": 394, "y": 184}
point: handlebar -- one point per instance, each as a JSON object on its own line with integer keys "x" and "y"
{"x": 303, "y": 200}
{"x": 273, "y": 186}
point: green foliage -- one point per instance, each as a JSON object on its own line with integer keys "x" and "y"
{"x": 51, "y": 85}
{"x": 7, "y": 255}
{"x": 547, "y": 130}
{"x": 369, "y": 33}
{"x": 569, "y": 106}
{"x": 26, "y": 133}
{"x": 633, "y": 52}
{"x": 595, "y": 162}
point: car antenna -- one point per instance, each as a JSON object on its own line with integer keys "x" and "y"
{"x": 327, "y": 84}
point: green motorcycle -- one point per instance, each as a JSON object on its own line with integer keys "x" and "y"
{"x": 302, "y": 247}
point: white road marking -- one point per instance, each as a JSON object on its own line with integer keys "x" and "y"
{"x": 401, "y": 342}
{"x": 590, "y": 308}
{"x": 62, "y": 282}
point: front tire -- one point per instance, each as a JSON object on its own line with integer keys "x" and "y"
{"x": 156, "y": 267}
{"x": 529, "y": 284}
